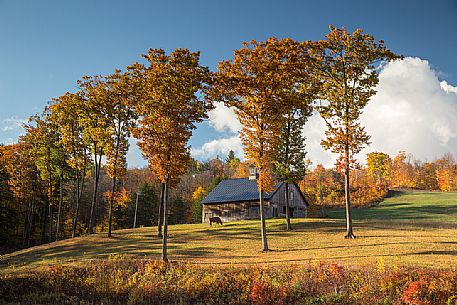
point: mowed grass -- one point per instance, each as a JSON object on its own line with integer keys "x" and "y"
{"x": 416, "y": 207}
{"x": 417, "y": 229}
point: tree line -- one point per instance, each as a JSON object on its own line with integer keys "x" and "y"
{"x": 371, "y": 183}
{"x": 273, "y": 86}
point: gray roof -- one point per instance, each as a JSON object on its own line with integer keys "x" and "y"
{"x": 233, "y": 190}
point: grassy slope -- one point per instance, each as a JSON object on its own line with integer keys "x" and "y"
{"x": 415, "y": 228}
{"x": 417, "y": 207}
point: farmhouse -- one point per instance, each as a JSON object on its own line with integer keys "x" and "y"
{"x": 238, "y": 199}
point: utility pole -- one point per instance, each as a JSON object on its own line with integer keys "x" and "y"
{"x": 136, "y": 209}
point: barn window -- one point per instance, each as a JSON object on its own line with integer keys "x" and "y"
{"x": 291, "y": 196}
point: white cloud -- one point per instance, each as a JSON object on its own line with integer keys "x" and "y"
{"x": 12, "y": 123}
{"x": 448, "y": 88}
{"x": 223, "y": 118}
{"x": 314, "y": 132}
{"x": 412, "y": 111}
{"x": 219, "y": 147}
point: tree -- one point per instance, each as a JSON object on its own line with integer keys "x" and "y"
{"x": 347, "y": 65}
{"x": 120, "y": 120}
{"x": 379, "y": 166}
{"x": 402, "y": 171}
{"x": 49, "y": 159}
{"x": 290, "y": 165}
{"x": 197, "y": 196}
{"x": 9, "y": 211}
{"x": 24, "y": 183}
{"x": 263, "y": 82}
{"x": 446, "y": 173}
{"x": 65, "y": 112}
{"x": 94, "y": 116}
{"x": 168, "y": 109}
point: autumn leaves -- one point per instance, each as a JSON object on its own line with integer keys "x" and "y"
{"x": 160, "y": 102}
{"x": 169, "y": 107}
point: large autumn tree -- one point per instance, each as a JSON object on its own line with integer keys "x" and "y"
{"x": 263, "y": 83}
{"x": 168, "y": 107}
{"x": 94, "y": 119}
{"x": 120, "y": 119}
{"x": 347, "y": 65}
{"x": 65, "y": 112}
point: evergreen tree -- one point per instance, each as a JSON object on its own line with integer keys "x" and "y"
{"x": 290, "y": 165}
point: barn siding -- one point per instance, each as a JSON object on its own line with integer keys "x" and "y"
{"x": 296, "y": 202}
{"x": 233, "y": 211}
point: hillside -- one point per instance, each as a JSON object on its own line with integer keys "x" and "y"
{"x": 407, "y": 229}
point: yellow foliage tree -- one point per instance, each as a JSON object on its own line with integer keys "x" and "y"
{"x": 65, "y": 112}
{"x": 347, "y": 65}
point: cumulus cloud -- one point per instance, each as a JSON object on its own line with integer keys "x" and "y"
{"x": 222, "y": 118}
{"x": 219, "y": 147}
{"x": 412, "y": 111}
{"x": 448, "y": 88}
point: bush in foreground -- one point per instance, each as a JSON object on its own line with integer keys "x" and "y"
{"x": 130, "y": 281}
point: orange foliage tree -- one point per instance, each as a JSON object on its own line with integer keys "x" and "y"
{"x": 168, "y": 107}
{"x": 263, "y": 82}
{"x": 446, "y": 173}
{"x": 402, "y": 174}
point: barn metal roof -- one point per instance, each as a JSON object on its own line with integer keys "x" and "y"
{"x": 233, "y": 190}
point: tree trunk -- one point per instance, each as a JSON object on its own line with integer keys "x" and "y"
{"x": 94, "y": 196}
{"x": 263, "y": 226}
{"x": 289, "y": 227}
{"x": 136, "y": 210}
{"x": 59, "y": 212}
{"x": 160, "y": 222}
{"x": 50, "y": 207}
{"x": 111, "y": 203}
{"x": 165, "y": 221}
{"x": 27, "y": 221}
{"x": 31, "y": 226}
{"x": 349, "y": 233}
{"x": 44, "y": 220}
{"x": 321, "y": 201}
{"x": 76, "y": 212}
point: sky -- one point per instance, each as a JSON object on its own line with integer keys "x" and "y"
{"x": 46, "y": 46}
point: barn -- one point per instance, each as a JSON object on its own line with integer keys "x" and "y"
{"x": 238, "y": 199}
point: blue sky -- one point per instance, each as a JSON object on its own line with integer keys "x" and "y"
{"x": 46, "y": 46}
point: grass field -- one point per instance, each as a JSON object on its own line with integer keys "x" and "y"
{"x": 408, "y": 229}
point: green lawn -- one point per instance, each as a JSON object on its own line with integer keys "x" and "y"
{"x": 409, "y": 229}
{"x": 418, "y": 207}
